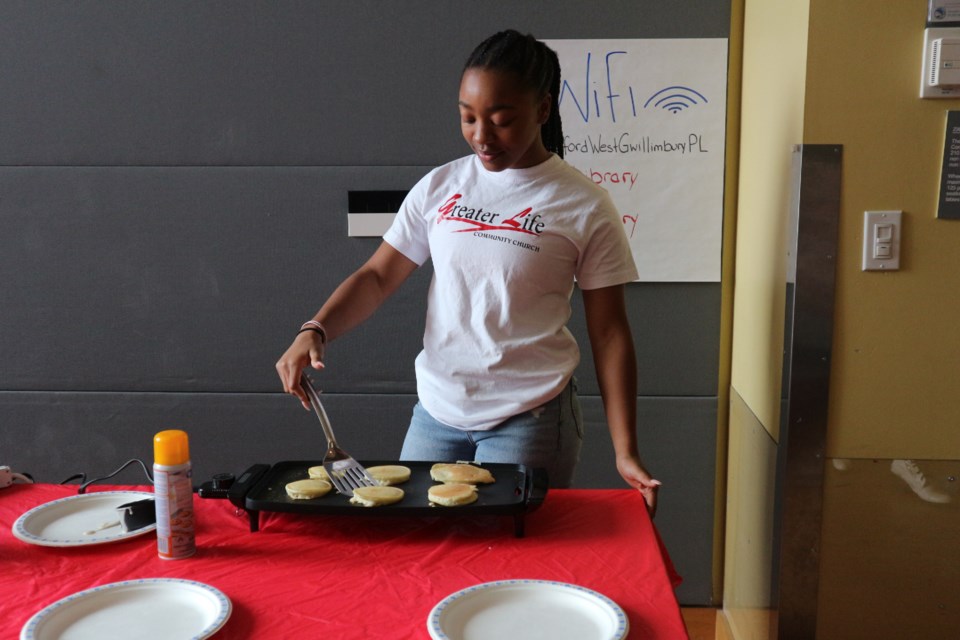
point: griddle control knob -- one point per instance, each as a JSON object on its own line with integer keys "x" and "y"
{"x": 223, "y": 481}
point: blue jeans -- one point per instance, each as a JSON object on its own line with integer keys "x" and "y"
{"x": 549, "y": 437}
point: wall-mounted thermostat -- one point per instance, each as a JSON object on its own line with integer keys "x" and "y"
{"x": 945, "y": 62}
{"x": 940, "y": 77}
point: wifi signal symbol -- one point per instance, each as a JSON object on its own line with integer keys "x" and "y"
{"x": 675, "y": 99}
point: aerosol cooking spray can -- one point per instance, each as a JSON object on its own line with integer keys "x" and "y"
{"x": 173, "y": 492}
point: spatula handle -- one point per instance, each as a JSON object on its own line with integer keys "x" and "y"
{"x": 318, "y": 409}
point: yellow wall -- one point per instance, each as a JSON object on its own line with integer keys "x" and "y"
{"x": 896, "y": 341}
{"x": 774, "y": 37}
{"x": 848, "y": 73}
{"x": 774, "y": 64}
{"x": 885, "y": 552}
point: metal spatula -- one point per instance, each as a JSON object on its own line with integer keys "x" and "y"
{"x": 345, "y": 473}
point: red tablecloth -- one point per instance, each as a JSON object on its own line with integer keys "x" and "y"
{"x": 358, "y": 577}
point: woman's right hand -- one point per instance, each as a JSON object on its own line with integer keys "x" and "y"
{"x": 351, "y": 303}
{"x": 306, "y": 350}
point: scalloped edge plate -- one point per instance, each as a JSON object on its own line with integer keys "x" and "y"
{"x": 62, "y": 523}
{"x": 147, "y": 609}
{"x": 527, "y": 609}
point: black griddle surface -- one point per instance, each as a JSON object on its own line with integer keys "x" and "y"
{"x": 508, "y": 495}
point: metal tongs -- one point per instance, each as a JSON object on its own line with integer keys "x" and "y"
{"x": 345, "y": 473}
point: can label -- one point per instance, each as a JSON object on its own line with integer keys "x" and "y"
{"x": 174, "y": 502}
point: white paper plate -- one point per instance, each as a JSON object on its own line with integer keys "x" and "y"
{"x": 150, "y": 609}
{"x": 63, "y": 523}
{"x": 528, "y": 609}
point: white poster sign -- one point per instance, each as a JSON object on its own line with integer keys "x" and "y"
{"x": 645, "y": 119}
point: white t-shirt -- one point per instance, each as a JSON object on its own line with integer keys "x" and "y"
{"x": 506, "y": 247}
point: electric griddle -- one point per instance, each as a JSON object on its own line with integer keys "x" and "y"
{"x": 518, "y": 490}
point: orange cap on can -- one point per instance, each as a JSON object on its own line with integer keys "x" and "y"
{"x": 171, "y": 447}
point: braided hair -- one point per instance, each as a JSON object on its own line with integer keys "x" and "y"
{"x": 537, "y": 67}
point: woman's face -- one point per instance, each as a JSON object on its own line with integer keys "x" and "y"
{"x": 501, "y": 120}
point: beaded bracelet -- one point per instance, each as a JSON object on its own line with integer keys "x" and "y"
{"x": 313, "y": 325}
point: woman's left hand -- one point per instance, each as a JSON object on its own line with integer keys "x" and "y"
{"x": 633, "y": 471}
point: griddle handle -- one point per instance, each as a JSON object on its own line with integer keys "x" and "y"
{"x": 247, "y": 481}
{"x": 537, "y": 485}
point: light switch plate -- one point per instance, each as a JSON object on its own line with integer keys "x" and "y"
{"x": 881, "y": 240}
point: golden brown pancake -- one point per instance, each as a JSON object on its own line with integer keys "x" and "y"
{"x": 376, "y": 496}
{"x": 452, "y": 495}
{"x": 389, "y": 474}
{"x": 307, "y": 489}
{"x": 460, "y": 473}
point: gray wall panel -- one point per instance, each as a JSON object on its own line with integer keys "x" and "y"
{"x": 47, "y": 433}
{"x": 54, "y": 435}
{"x": 194, "y": 279}
{"x": 676, "y": 334}
{"x": 677, "y": 439}
{"x": 265, "y": 83}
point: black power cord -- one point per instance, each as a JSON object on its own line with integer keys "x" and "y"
{"x": 84, "y": 483}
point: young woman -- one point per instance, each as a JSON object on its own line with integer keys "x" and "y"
{"x": 508, "y": 228}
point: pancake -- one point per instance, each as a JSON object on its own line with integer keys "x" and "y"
{"x": 307, "y": 489}
{"x": 389, "y": 474}
{"x": 376, "y": 496}
{"x": 318, "y": 472}
{"x": 460, "y": 474}
{"x": 452, "y": 495}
